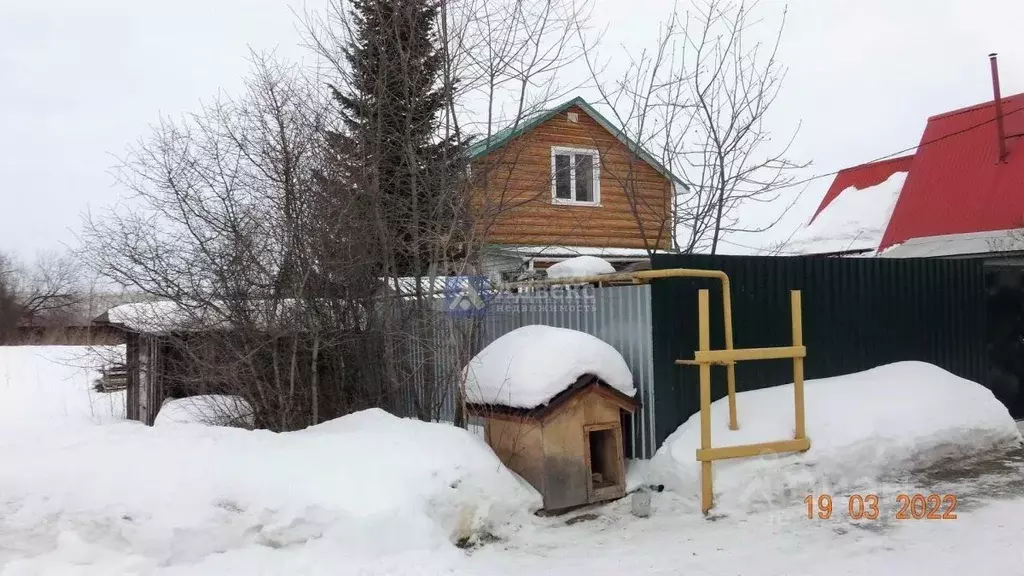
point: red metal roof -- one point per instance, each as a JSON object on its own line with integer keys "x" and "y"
{"x": 863, "y": 176}
{"x": 955, "y": 185}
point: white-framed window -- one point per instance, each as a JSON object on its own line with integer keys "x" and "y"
{"x": 575, "y": 176}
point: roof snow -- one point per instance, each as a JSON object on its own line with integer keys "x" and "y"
{"x": 853, "y": 222}
{"x": 529, "y": 366}
{"x": 580, "y": 267}
{"x": 165, "y": 316}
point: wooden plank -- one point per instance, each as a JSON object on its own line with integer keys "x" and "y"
{"x": 575, "y": 240}
{"x": 745, "y": 354}
{"x": 707, "y": 455}
{"x": 565, "y": 466}
{"x": 520, "y": 446}
{"x": 704, "y": 335}
{"x": 798, "y": 364}
{"x": 540, "y": 220}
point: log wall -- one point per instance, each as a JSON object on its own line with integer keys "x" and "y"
{"x": 512, "y": 198}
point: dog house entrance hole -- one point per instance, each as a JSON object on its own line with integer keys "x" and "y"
{"x": 604, "y": 470}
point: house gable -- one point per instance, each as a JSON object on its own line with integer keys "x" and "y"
{"x": 515, "y": 200}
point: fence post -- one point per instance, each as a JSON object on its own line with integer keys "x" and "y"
{"x": 730, "y": 368}
{"x": 798, "y": 364}
{"x": 703, "y": 314}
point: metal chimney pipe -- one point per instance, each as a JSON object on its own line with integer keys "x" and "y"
{"x": 1000, "y": 128}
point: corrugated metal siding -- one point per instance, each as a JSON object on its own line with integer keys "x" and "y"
{"x": 858, "y": 313}
{"x": 621, "y": 316}
{"x": 436, "y": 360}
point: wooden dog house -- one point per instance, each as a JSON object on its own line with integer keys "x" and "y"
{"x": 569, "y": 449}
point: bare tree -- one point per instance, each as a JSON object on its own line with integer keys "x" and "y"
{"x": 255, "y": 269}
{"x": 46, "y": 293}
{"x": 698, "y": 101}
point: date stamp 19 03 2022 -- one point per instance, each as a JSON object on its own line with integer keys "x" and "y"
{"x": 868, "y": 507}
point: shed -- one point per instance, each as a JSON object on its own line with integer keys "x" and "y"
{"x": 569, "y": 449}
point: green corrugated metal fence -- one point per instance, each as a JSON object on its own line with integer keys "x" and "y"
{"x": 858, "y": 313}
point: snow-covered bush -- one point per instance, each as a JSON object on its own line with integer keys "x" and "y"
{"x": 862, "y": 427}
{"x": 211, "y": 409}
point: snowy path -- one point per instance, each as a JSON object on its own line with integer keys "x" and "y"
{"x": 985, "y": 540}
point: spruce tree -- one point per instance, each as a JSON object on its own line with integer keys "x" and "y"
{"x": 391, "y": 110}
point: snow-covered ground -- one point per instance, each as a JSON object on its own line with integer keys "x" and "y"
{"x": 190, "y": 498}
{"x": 46, "y": 386}
{"x": 373, "y": 494}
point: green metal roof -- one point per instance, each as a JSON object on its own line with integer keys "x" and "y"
{"x": 505, "y": 135}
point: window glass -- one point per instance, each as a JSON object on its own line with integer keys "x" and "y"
{"x": 563, "y": 178}
{"x": 584, "y": 178}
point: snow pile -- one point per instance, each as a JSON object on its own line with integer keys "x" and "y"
{"x": 855, "y": 220}
{"x": 528, "y": 366}
{"x": 579, "y": 267}
{"x": 361, "y": 486}
{"x": 861, "y": 426}
{"x": 212, "y": 409}
{"x": 52, "y": 386}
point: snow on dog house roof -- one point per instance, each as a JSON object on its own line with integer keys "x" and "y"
{"x": 530, "y": 366}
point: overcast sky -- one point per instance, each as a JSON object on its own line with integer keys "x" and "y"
{"x": 79, "y": 81}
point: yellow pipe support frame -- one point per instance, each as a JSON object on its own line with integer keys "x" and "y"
{"x": 731, "y": 366}
{"x": 798, "y": 364}
{"x": 644, "y": 276}
{"x": 704, "y": 357}
{"x": 747, "y": 450}
{"x": 726, "y": 357}
{"x": 704, "y": 313}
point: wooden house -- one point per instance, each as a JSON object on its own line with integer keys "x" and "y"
{"x": 567, "y": 182}
{"x": 569, "y": 449}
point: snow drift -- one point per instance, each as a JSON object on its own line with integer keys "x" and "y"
{"x": 43, "y": 387}
{"x": 579, "y": 267}
{"x": 528, "y": 366}
{"x": 367, "y": 483}
{"x": 862, "y": 427}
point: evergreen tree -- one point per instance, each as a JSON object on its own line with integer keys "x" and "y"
{"x": 391, "y": 146}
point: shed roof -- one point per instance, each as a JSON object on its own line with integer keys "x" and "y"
{"x": 524, "y": 125}
{"x": 955, "y": 185}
